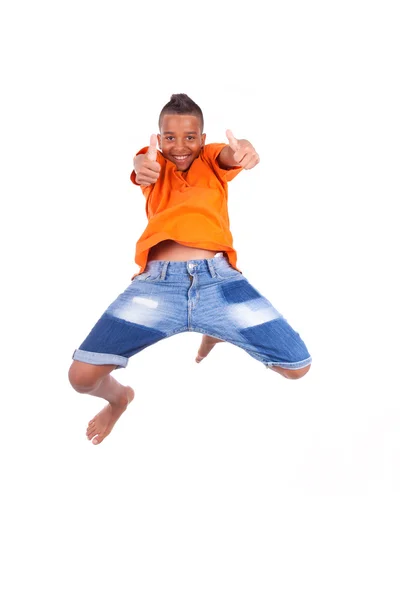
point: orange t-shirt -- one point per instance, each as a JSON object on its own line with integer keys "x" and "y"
{"x": 189, "y": 207}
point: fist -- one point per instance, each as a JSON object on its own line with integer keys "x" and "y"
{"x": 146, "y": 167}
{"x": 243, "y": 152}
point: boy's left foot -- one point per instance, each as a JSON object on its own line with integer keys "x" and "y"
{"x": 207, "y": 344}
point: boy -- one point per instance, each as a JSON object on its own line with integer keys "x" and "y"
{"x": 188, "y": 279}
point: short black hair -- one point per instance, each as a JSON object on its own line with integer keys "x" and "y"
{"x": 181, "y": 104}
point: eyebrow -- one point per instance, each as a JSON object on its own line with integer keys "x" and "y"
{"x": 186, "y": 132}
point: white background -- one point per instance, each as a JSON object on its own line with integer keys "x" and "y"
{"x": 222, "y": 480}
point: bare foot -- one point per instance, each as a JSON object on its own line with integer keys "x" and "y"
{"x": 101, "y": 425}
{"x": 207, "y": 344}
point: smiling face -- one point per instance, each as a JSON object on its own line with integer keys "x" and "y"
{"x": 181, "y": 139}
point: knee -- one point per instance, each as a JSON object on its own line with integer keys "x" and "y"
{"x": 292, "y": 373}
{"x": 297, "y": 373}
{"x": 82, "y": 378}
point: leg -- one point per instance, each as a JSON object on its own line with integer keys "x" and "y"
{"x": 235, "y": 311}
{"x": 146, "y": 312}
{"x": 208, "y": 342}
{"x": 96, "y": 380}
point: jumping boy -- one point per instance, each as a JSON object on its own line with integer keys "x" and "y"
{"x": 188, "y": 278}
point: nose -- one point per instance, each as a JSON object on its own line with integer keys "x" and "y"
{"x": 180, "y": 143}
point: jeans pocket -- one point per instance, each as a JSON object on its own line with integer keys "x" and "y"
{"x": 147, "y": 277}
{"x": 227, "y": 274}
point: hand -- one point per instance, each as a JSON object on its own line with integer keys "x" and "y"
{"x": 243, "y": 152}
{"x": 146, "y": 167}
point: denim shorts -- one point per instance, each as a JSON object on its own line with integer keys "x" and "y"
{"x": 206, "y": 296}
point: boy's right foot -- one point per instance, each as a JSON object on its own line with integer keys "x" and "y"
{"x": 101, "y": 425}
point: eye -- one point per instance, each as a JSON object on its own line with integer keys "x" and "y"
{"x": 169, "y": 138}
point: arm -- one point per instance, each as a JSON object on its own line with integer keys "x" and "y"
{"x": 239, "y": 153}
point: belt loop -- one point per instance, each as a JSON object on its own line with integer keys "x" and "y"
{"x": 211, "y": 267}
{"x": 164, "y": 270}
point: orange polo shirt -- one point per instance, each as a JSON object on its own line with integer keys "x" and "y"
{"x": 189, "y": 207}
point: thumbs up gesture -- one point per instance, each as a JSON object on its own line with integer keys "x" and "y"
{"x": 243, "y": 153}
{"x": 146, "y": 167}
{"x": 152, "y": 151}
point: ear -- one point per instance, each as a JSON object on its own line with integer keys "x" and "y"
{"x": 203, "y": 139}
{"x": 159, "y": 140}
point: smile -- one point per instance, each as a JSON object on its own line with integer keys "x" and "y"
{"x": 182, "y": 157}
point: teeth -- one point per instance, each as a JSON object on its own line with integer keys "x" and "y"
{"x": 180, "y": 157}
